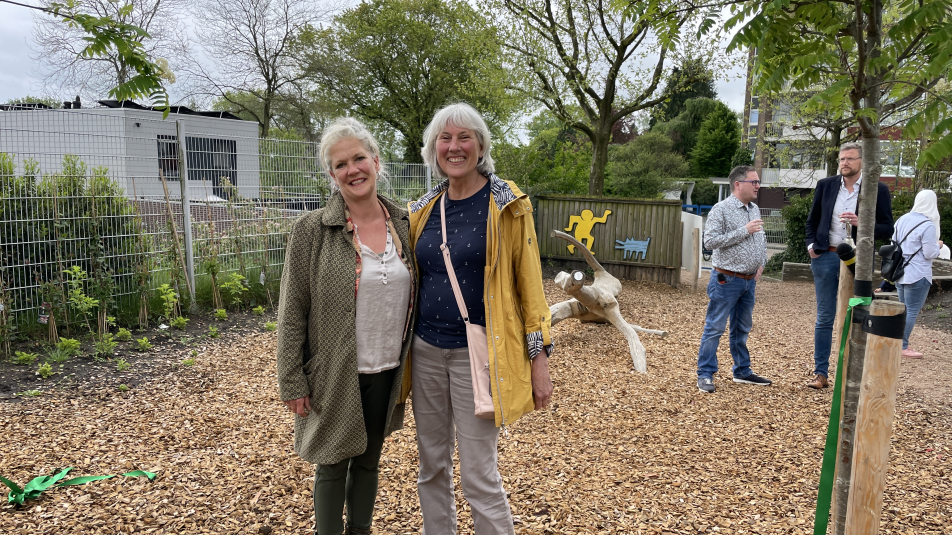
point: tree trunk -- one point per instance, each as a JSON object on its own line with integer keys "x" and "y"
{"x": 833, "y": 153}
{"x": 265, "y": 124}
{"x": 596, "y": 179}
{"x": 413, "y": 147}
{"x": 870, "y": 128}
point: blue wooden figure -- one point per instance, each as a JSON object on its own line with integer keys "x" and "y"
{"x": 631, "y": 246}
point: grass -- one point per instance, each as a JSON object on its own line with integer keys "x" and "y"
{"x": 57, "y": 355}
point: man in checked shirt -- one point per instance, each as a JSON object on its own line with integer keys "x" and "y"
{"x": 734, "y": 231}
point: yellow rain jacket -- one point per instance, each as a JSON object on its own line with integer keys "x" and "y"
{"x": 517, "y": 315}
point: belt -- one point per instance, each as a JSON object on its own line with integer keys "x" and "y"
{"x": 831, "y": 249}
{"x": 729, "y": 273}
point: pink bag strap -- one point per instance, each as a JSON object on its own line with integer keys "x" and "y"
{"x": 449, "y": 265}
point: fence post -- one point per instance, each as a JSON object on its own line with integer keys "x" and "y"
{"x": 429, "y": 177}
{"x": 874, "y": 421}
{"x": 186, "y": 215}
{"x": 696, "y": 257}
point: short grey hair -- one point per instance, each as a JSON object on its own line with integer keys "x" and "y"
{"x": 852, "y": 145}
{"x": 740, "y": 173}
{"x": 349, "y": 128}
{"x": 461, "y": 115}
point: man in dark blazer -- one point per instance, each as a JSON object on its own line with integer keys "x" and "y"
{"x": 835, "y": 203}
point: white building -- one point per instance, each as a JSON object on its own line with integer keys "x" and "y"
{"x": 136, "y": 146}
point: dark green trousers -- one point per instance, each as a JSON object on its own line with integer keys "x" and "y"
{"x": 353, "y": 482}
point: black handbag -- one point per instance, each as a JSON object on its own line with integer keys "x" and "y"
{"x": 894, "y": 265}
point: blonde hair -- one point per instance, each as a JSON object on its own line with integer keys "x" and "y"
{"x": 349, "y": 128}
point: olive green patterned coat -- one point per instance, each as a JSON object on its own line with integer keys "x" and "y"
{"x": 317, "y": 348}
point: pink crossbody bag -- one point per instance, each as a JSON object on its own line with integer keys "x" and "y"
{"x": 475, "y": 337}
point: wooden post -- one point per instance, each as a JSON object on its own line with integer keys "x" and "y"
{"x": 874, "y": 419}
{"x": 843, "y": 294}
{"x": 695, "y": 257}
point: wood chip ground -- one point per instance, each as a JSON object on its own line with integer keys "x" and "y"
{"x": 617, "y": 452}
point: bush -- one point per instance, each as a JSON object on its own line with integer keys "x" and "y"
{"x": 45, "y": 370}
{"x": 557, "y": 160}
{"x": 105, "y": 346}
{"x": 234, "y": 286}
{"x": 179, "y": 323}
{"x": 22, "y": 358}
{"x": 795, "y": 216}
{"x": 221, "y": 314}
{"x": 123, "y": 335}
{"x": 143, "y": 344}
{"x": 69, "y": 346}
{"x": 77, "y": 215}
{"x": 644, "y": 167}
{"x": 258, "y": 310}
{"x": 705, "y": 192}
{"x": 270, "y": 326}
{"x": 122, "y": 365}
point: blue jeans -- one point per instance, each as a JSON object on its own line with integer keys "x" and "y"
{"x": 733, "y": 299}
{"x": 826, "y": 280}
{"x": 913, "y": 296}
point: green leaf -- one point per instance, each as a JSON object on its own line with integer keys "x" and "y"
{"x": 82, "y": 480}
{"x": 140, "y": 473}
{"x": 16, "y": 493}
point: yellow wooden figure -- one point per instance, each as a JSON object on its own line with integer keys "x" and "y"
{"x": 583, "y": 227}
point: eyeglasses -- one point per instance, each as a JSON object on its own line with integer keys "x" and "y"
{"x": 754, "y": 182}
{"x": 844, "y": 160}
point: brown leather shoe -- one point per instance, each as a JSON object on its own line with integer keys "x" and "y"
{"x": 818, "y": 382}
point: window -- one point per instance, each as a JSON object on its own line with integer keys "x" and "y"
{"x": 754, "y": 116}
{"x": 214, "y": 160}
{"x": 783, "y": 112}
{"x": 168, "y": 157}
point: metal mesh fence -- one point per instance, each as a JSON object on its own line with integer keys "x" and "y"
{"x": 106, "y": 190}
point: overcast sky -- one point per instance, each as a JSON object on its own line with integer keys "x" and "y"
{"x": 18, "y": 74}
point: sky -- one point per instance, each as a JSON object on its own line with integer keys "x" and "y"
{"x": 18, "y": 75}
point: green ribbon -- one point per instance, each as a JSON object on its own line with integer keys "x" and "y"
{"x": 37, "y": 485}
{"x": 824, "y": 497}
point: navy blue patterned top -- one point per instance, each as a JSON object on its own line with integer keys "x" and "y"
{"x": 439, "y": 322}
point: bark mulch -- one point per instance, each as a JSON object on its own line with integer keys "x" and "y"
{"x": 617, "y": 452}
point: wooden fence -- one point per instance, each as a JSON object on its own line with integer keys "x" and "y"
{"x": 617, "y": 239}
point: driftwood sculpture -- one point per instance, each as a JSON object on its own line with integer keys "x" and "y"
{"x": 597, "y": 302}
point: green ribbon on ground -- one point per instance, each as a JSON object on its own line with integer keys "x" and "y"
{"x": 824, "y": 497}
{"x": 37, "y": 485}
